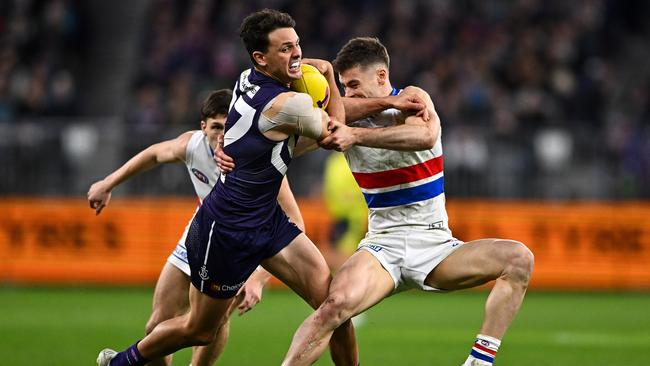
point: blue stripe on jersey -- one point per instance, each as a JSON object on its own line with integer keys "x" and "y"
{"x": 395, "y": 91}
{"x": 407, "y": 195}
{"x": 481, "y": 356}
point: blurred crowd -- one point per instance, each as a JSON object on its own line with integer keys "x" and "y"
{"x": 538, "y": 99}
{"x": 39, "y": 53}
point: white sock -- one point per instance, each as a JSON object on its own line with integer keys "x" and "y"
{"x": 483, "y": 351}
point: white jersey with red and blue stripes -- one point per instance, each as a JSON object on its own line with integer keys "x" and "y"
{"x": 403, "y": 189}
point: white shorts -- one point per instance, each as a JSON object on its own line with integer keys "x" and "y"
{"x": 409, "y": 256}
{"x": 178, "y": 257}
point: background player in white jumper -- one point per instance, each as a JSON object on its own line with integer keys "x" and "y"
{"x": 194, "y": 148}
{"x": 397, "y": 161}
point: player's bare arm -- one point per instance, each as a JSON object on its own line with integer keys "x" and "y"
{"x": 415, "y": 134}
{"x": 408, "y": 101}
{"x": 334, "y": 108}
{"x": 169, "y": 151}
{"x": 287, "y": 201}
{"x": 293, "y": 113}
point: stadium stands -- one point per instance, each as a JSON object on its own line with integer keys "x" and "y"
{"x": 539, "y": 99}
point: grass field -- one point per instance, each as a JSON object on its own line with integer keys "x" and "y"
{"x": 68, "y": 326}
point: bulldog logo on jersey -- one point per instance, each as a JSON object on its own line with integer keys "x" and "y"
{"x": 200, "y": 176}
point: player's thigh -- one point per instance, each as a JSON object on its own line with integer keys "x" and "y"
{"x": 170, "y": 297}
{"x": 207, "y": 314}
{"x": 360, "y": 283}
{"x": 301, "y": 267}
{"x": 473, "y": 264}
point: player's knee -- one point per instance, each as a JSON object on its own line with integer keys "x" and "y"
{"x": 335, "y": 310}
{"x": 520, "y": 261}
{"x": 156, "y": 318}
{"x": 201, "y": 336}
{"x": 318, "y": 291}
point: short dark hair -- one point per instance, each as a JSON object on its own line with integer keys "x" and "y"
{"x": 216, "y": 104}
{"x": 255, "y": 29}
{"x": 361, "y": 51}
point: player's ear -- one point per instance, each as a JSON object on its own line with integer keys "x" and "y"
{"x": 382, "y": 76}
{"x": 259, "y": 58}
{"x": 203, "y": 125}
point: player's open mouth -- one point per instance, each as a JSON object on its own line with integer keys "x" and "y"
{"x": 294, "y": 66}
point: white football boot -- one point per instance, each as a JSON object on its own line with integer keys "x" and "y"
{"x": 105, "y": 356}
{"x": 475, "y": 362}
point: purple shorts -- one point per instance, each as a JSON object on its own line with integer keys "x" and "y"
{"x": 222, "y": 258}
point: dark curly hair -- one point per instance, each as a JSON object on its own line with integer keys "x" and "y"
{"x": 255, "y": 29}
{"x": 216, "y": 104}
{"x": 361, "y": 51}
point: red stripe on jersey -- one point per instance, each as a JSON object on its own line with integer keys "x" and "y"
{"x": 485, "y": 349}
{"x": 388, "y": 178}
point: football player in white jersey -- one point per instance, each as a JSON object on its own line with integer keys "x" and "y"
{"x": 397, "y": 161}
{"x": 195, "y": 149}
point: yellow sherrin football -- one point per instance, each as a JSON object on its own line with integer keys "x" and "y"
{"x": 313, "y": 83}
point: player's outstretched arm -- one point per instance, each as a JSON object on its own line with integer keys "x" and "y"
{"x": 408, "y": 101}
{"x": 415, "y": 134}
{"x": 169, "y": 151}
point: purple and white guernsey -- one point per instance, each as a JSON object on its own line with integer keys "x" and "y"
{"x": 246, "y": 197}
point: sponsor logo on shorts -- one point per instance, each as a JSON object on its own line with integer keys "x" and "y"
{"x": 203, "y": 273}
{"x": 374, "y": 247}
{"x": 200, "y": 176}
{"x": 217, "y": 287}
{"x": 180, "y": 253}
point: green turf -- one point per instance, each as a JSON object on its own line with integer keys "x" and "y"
{"x": 59, "y": 326}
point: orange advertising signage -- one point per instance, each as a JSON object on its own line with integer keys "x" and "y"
{"x": 61, "y": 241}
{"x": 576, "y": 245}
